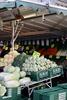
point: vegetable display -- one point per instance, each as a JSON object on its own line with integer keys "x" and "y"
{"x": 13, "y": 77}
{"x": 37, "y": 64}
{"x": 14, "y": 74}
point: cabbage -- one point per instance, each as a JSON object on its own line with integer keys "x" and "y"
{"x": 17, "y": 69}
{"x": 1, "y": 62}
{"x": 8, "y": 58}
{"x": 9, "y": 76}
{"x": 3, "y": 75}
{"x": 2, "y": 82}
{"x": 22, "y": 74}
{"x": 12, "y": 84}
{"x": 25, "y": 81}
{"x": 9, "y": 69}
{"x": 14, "y": 53}
{"x": 15, "y": 76}
{"x": 2, "y": 90}
{"x": 19, "y": 60}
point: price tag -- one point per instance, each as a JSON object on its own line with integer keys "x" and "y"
{"x": 62, "y": 96}
{"x": 36, "y": 54}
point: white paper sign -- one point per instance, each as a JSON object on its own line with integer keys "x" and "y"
{"x": 42, "y": 42}
{"x": 38, "y": 42}
{"x": 47, "y": 42}
{"x": 62, "y": 96}
{"x": 33, "y": 42}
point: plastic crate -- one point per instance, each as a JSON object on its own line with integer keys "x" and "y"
{"x": 12, "y": 94}
{"x": 39, "y": 75}
{"x": 37, "y": 93}
{"x": 54, "y": 95}
{"x": 56, "y": 71}
{"x": 64, "y": 86}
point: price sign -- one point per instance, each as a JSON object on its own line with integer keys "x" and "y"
{"x": 36, "y": 54}
{"x": 62, "y": 96}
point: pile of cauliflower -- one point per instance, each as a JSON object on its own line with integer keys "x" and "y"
{"x": 37, "y": 64}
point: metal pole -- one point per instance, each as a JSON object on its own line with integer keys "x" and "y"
{"x": 13, "y": 35}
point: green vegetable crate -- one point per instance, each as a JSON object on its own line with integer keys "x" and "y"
{"x": 64, "y": 86}
{"x": 13, "y": 94}
{"x": 56, "y": 71}
{"x": 37, "y": 93}
{"x": 54, "y": 95}
{"x": 39, "y": 75}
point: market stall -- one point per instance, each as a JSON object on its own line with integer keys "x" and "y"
{"x": 35, "y": 40}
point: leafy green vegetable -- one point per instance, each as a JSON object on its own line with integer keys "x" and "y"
{"x": 19, "y": 60}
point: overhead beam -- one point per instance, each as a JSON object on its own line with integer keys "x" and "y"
{"x": 33, "y": 26}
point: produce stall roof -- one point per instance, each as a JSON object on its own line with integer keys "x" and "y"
{"x": 35, "y": 21}
{"x": 37, "y": 25}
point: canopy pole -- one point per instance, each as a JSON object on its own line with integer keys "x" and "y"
{"x": 13, "y": 35}
{"x": 15, "y": 32}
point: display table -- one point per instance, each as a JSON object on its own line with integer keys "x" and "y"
{"x": 36, "y": 84}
